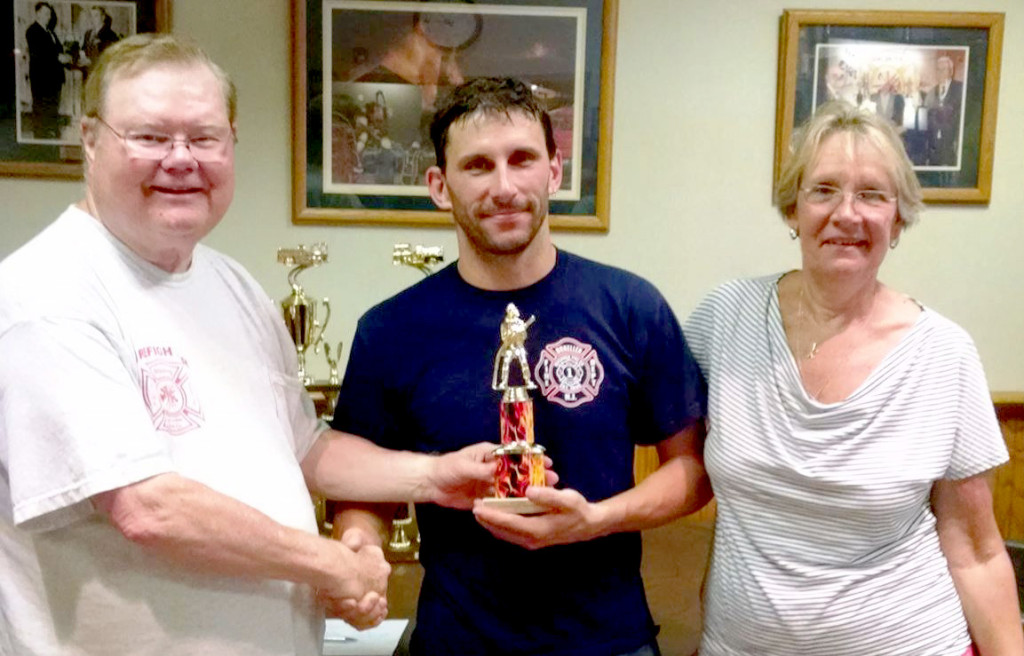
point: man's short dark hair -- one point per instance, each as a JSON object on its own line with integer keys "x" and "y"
{"x": 487, "y": 95}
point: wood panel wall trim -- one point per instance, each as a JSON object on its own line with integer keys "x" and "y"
{"x": 1008, "y": 398}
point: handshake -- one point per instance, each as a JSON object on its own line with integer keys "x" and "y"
{"x": 358, "y": 592}
{"x": 352, "y": 573}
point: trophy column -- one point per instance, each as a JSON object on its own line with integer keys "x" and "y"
{"x": 520, "y": 459}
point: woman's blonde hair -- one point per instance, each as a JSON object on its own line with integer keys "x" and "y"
{"x": 840, "y": 117}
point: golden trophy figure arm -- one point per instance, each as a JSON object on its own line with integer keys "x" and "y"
{"x": 499, "y": 379}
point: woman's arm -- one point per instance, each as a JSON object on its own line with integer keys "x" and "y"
{"x": 981, "y": 568}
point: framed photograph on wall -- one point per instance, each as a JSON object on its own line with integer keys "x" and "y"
{"x": 367, "y": 75}
{"x": 934, "y": 74}
{"x": 53, "y": 46}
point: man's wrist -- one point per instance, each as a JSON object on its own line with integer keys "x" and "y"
{"x": 322, "y": 562}
{"x": 369, "y": 519}
{"x": 605, "y": 517}
{"x": 426, "y": 487}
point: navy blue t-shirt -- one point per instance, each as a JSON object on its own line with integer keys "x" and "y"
{"x": 613, "y": 371}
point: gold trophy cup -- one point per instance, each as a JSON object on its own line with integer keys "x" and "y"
{"x": 301, "y": 312}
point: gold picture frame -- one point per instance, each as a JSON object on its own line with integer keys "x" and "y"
{"x": 892, "y": 61}
{"x": 343, "y": 171}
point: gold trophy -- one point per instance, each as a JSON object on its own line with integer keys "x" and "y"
{"x": 300, "y": 312}
{"x": 423, "y": 258}
{"x": 520, "y": 459}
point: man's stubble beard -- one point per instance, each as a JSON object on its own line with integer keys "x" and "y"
{"x": 481, "y": 241}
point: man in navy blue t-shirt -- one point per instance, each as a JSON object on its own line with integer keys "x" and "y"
{"x": 612, "y": 370}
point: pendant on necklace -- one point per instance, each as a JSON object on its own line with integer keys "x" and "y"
{"x": 813, "y": 352}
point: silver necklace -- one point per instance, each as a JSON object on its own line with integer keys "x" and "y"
{"x": 813, "y": 351}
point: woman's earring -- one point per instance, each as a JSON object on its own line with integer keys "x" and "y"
{"x": 793, "y": 233}
{"x": 894, "y": 243}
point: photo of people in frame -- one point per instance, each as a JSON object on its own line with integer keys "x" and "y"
{"x": 56, "y": 43}
{"x": 388, "y": 64}
{"x": 920, "y": 89}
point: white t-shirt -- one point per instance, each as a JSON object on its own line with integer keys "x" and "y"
{"x": 113, "y": 371}
{"x": 825, "y": 541}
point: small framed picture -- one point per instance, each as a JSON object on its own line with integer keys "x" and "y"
{"x": 54, "y": 45}
{"x": 935, "y": 75}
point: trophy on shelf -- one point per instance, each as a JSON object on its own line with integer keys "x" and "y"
{"x": 520, "y": 459}
{"x": 423, "y": 258}
{"x": 332, "y": 362}
{"x": 404, "y": 539}
{"x": 403, "y": 542}
{"x": 300, "y": 311}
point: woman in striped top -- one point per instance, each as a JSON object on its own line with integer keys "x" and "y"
{"x": 851, "y": 433}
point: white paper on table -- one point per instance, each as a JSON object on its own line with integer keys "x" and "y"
{"x": 340, "y": 639}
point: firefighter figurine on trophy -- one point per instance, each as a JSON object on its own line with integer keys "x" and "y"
{"x": 520, "y": 460}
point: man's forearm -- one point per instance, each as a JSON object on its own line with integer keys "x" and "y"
{"x": 678, "y": 487}
{"x": 204, "y": 531}
{"x": 344, "y": 466}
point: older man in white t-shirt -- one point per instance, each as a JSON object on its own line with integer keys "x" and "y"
{"x": 156, "y": 448}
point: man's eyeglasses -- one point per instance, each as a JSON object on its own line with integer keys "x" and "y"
{"x": 831, "y": 196}
{"x": 143, "y": 144}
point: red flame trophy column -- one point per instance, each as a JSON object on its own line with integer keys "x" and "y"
{"x": 520, "y": 460}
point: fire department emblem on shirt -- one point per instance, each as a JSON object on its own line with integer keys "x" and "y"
{"x": 173, "y": 406}
{"x": 569, "y": 372}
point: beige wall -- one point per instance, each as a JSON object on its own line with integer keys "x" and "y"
{"x": 693, "y": 141}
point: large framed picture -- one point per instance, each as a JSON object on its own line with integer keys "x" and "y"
{"x": 934, "y": 74}
{"x": 54, "y": 44}
{"x": 368, "y": 73}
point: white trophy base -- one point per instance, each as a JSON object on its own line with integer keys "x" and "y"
{"x": 515, "y": 505}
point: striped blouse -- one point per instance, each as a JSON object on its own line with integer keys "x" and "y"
{"x": 825, "y": 542}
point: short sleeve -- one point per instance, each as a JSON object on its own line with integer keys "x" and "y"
{"x": 72, "y": 422}
{"x": 674, "y": 390}
{"x": 367, "y": 403}
{"x": 295, "y": 408}
{"x": 698, "y": 328}
{"x": 979, "y": 444}
{"x": 296, "y": 411}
